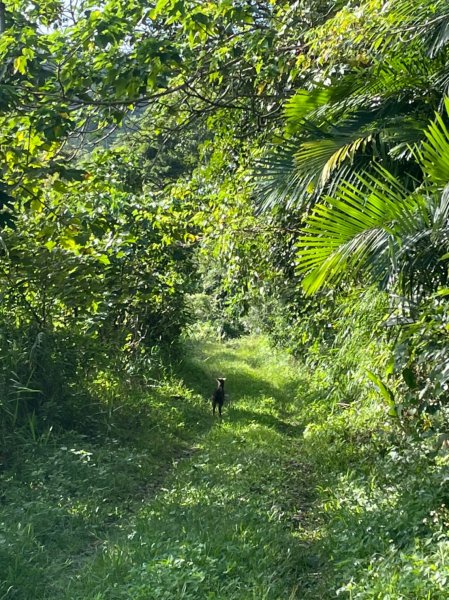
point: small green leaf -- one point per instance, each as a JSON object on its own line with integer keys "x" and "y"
{"x": 20, "y": 64}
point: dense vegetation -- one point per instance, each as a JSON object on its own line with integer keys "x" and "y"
{"x": 208, "y": 170}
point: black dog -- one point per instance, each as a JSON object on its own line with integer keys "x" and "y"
{"x": 218, "y": 396}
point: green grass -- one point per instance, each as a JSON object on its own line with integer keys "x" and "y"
{"x": 194, "y": 508}
{"x": 60, "y": 497}
{"x": 223, "y": 524}
{"x": 291, "y": 496}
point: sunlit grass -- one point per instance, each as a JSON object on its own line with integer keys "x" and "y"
{"x": 221, "y": 525}
{"x": 292, "y": 495}
{"x": 194, "y": 507}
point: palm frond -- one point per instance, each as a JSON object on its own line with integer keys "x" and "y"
{"x": 407, "y": 20}
{"x": 322, "y": 104}
{"x": 303, "y": 104}
{"x": 363, "y": 226}
{"x": 439, "y": 37}
{"x": 280, "y": 184}
{"x": 300, "y": 170}
{"x": 434, "y": 153}
{"x": 347, "y": 124}
{"x": 420, "y": 254}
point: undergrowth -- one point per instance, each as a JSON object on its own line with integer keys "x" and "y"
{"x": 296, "y": 493}
{"x": 63, "y": 492}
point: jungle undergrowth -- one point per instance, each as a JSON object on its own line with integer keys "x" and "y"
{"x": 291, "y": 495}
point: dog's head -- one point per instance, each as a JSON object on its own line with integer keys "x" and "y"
{"x": 221, "y": 380}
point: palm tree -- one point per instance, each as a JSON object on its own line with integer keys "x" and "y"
{"x": 373, "y": 112}
{"x": 376, "y": 224}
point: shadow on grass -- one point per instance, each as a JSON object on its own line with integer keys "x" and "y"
{"x": 101, "y": 485}
{"x": 197, "y": 555}
{"x": 100, "y": 480}
{"x": 245, "y": 417}
{"x": 200, "y": 369}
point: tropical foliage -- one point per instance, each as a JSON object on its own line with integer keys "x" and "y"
{"x": 180, "y": 168}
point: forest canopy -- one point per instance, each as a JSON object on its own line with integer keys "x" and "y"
{"x": 253, "y": 152}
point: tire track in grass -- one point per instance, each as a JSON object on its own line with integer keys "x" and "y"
{"x": 226, "y": 523}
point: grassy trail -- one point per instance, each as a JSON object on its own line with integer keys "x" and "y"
{"x": 293, "y": 495}
{"x": 224, "y": 524}
{"x": 175, "y": 504}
